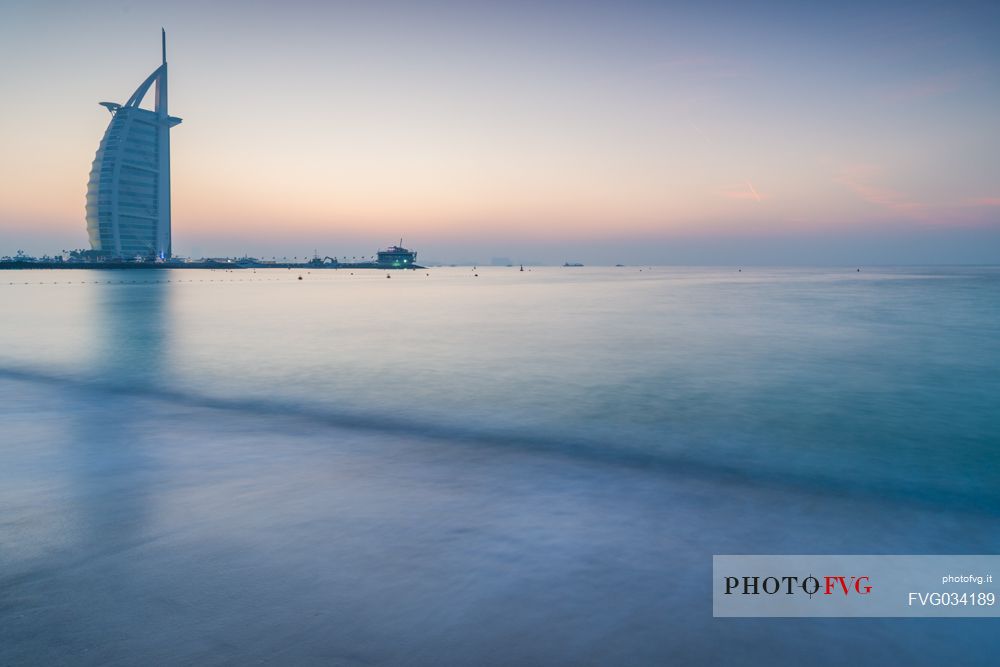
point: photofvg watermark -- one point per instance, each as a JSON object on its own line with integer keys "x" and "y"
{"x": 855, "y": 586}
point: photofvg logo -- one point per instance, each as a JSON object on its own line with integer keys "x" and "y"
{"x": 788, "y": 585}
{"x": 784, "y": 586}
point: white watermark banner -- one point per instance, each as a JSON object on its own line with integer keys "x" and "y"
{"x": 855, "y": 586}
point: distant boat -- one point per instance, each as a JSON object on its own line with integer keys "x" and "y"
{"x": 393, "y": 257}
{"x": 397, "y": 257}
{"x": 619, "y": 265}
{"x": 572, "y": 264}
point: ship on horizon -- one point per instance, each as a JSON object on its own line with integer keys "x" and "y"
{"x": 393, "y": 257}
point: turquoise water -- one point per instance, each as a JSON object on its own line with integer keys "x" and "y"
{"x": 883, "y": 381}
{"x": 213, "y": 468}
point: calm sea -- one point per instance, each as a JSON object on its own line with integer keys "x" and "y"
{"x": 884, "y": 380}
{"x": 489, "y": 466}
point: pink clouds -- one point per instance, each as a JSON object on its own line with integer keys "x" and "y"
{"x": 867, "y": 182}
{"x": 744, "y": 192}
{"x": 863, "y": 180}
{"x": 985, "y": 201}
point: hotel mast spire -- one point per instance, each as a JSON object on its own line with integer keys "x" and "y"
{"x": 161, "y": 78}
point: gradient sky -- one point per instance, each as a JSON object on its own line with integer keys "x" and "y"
{"x": 623, "y": 131}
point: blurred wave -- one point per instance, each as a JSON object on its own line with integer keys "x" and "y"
{"x": 883, "y": 382}
{"x": 702, "y": 464}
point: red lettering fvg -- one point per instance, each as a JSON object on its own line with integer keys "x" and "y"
{"x": 842, "y": 584}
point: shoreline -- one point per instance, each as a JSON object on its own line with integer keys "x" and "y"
{"x": 21, "y": 266}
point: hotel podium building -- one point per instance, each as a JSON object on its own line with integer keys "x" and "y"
{"x": 128, "y": 195}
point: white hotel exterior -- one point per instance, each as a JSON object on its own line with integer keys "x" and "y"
{"x": 128, "y": 195}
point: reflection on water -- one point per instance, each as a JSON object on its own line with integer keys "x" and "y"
{"x": 131, "y": 329}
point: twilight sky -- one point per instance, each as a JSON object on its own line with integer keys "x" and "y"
{"x": 601, "y": 132}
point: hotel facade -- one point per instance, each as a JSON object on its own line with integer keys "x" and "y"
{"x": 128, "y": 194}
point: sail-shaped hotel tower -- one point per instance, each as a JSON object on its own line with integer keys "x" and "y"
{"x": 128, "y": 195}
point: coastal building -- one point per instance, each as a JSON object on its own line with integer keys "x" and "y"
{"x": 128, "y": 195}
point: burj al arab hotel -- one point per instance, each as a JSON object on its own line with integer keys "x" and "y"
{"x": 128, "y": 195}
